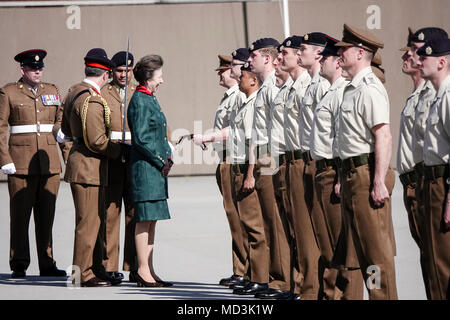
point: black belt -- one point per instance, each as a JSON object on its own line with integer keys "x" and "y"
{"x": 239, "y": 168}
{"x": 357, "y": 161}
{"x": 323, "y": 164}
{"x": 419, "y": 168}
{"x": 306, "y": 156}
{"x": 435, "y": 172}
{"x": 293, "y": 155}
{"x": 408, "y": 178}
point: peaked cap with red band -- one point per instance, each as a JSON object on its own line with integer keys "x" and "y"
{"x": 97, "y": 58}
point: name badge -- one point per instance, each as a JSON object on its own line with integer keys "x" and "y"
{"x": 50, "y": 99}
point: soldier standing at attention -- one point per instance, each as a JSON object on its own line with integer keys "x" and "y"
{"x": 87, "y": 121}
{"x": 31, "y": 161}
{"x": 435, "y": 66}
{"x": 365, "y": 147}
{"x": 118, "y": 173}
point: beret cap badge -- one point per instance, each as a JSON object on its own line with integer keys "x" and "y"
{"x": 246, "y": 65}
{"x": 288, "y": 43}
{"x": 234, "y": 53}
{"x": 421, "y": 36}
{"x": 252, "y": 47}
{"x": 428, "y": 50}
{"x": 306, "y": 37}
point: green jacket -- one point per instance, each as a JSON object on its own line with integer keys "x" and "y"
{"x": 149, "y": 150}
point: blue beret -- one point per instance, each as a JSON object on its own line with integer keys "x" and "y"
{"x": 241, "y": 54}
{"x": 33, "y": 58}
{"x": 291, "y": 42}
{"x": 264, "y": 43}
{"x": 119, "y": 59}
{"x": 315, "y": 38}
{"x": 330, "y": 48}
{"x": 427, "y": 34}
{"x": 435, "y": 48}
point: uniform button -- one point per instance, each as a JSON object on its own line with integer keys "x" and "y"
{"x": 38, "y": 111}
{"x": 37, "y": 99}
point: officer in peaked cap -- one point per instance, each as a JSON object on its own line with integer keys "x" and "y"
{"x": 31, "y": 161}
{"x": 224, "y": 62}
{"x": 365, "y": 147}
{"x": 376, "y": 67}
{"x": 87, "y": 119}
{"x": 411, "y": 32}
{"x": 435, "y": 66}
{"x": 118, "y": 172}
{"x": 240, "y": 57}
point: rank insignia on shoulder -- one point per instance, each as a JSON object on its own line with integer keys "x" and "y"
{"x": 50, "y": 99}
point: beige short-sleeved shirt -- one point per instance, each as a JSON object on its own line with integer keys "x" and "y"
{"x": 264, "y": 99}
{"x": 232, "y": 98}
{"x": 314, "y": 93}
{"x": 277, "y": 143}
{"x": 292, "y": 111}
{"x": 241, "y": 124}
{"x": 405, "y": 161}
{"x": 426, "y": 96}
{"x": 323, "y": 131}
{"x": 437, "y": 133}
{"x": 365, "y": 104}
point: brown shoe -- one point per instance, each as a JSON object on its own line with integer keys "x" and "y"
{"x": 96, "y": 282}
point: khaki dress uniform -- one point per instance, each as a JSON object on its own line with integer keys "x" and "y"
{"x": 232, "y": 98}
{"x": 410, "y": 144}
{"x": 119, "y": 187}
{"x": 365, "y": 105}
{"x": 323, "y": 147}
{"x": 436, "y": 187}
{"x": 85, "y": 120}
{"x": 30, "y": 115}
{"x": 276, "y": 236}
{"x": 277, "y": 150}
{"x": 247, "y": 203}
{"x": 307, "y": 251}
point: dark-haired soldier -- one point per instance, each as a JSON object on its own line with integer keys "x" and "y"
{"x": 30, "y": 159}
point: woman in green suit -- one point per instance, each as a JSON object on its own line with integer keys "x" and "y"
{"x": 150, "y": 162}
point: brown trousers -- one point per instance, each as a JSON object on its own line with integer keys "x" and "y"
{"x": 238, "y": 236}
{"x": 293, "y": 278}
{"x": 89, "y": 246}
{"x": 250, "y": 215}
{"x": 35, "y": 193}
{"x": 276, "y": 236}
{"x": 371, "y": 230}
{"x": 416, "y": 225}
{"x": 437, "y": 238}
{"x": 119, "y": 188}
{"x": 308, "y": 253}
{"x": 338, "y": 283}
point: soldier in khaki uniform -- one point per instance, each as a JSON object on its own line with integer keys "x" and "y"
{"x": 31, "y": 161}
{"x": 87, "y": 121}
{"x": 435, "y": 66}
{"x": 304, "y": 270}
{"x": 405, "y": 159}
{"x": 365, "y": 144}
{"x": 263, "y": 52}
{"x": 118, "y": 173}
{"x": 337, "y": 284}
{"x": 231, "y": 99}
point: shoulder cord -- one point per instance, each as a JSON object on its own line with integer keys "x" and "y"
{"x": 84, "y": 117}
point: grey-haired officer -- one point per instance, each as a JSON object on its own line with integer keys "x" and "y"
{"x": 119, "y": 187}
{"x": 365, "y": 144}
{"x": 337, "y": 284}
{"x": 28, "y": 111}
{"x": 263, "y": 52}
{"x": 434, "y": 64}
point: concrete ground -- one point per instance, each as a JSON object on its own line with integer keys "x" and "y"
{"x": 193, "y": 250}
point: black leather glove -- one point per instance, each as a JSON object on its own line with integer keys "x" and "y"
{"x": 167, "y": 166}
{"x": 125, "y": 149}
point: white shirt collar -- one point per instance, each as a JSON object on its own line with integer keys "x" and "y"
{"x": 92, "y": 83}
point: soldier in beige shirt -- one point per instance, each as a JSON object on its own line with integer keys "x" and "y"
{"x": 435, "y": 66}
{"x": 365, "y": 144}
{"x": 337, "y": 284}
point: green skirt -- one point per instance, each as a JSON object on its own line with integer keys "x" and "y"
{"x": 151, "y": 210}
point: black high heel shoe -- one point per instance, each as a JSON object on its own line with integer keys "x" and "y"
{"x": 142, "y": 283}
{"x": 165, "y": 283}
